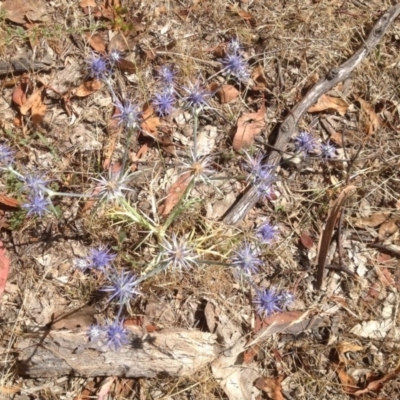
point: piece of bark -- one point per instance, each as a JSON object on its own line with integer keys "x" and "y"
{"x": 250, "y": 197}
{"x": 172, "y": 352}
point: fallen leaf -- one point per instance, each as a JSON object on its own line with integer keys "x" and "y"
{"x": 87, "y": 3}
{"x": 345, "y": 347}
{"x": 22, "y": 11}
{"x": 38, "y": 111}
{"x": 271, "y": 386}
{"x": 372, "y": 221}
{"x": 4, "y": 268}
{"x": 243, "y": 14}
{"x": 385, "y": 276}
{"x": 96, "y": 41}
{"x": 225, "y": 93}
{"x": 376, "y": 385}
{"x": 82, "y": 318}
{"x": 150, "y": 121}
{"x": 87, "y": 88}
{"x": 258, "y": 76}
{"x": 326, "y": 102}
{"x": 373, "y": 329}
{"x": 33, "y": 100}
{"x": 337, "y": 138}
{"x": 374, "y": 121}
{"x": 126, "y": 66}
{"x": 388, "y": 228}
{"x": 306, "y": 240}
{"x": 19, "y": 96}
{"x": 326, "y": 235}
{"x": 175, "y": 193}
{"x": 349, "y": 385}
{"x": 9, "y": 201}
{"x": 105, "y": 388}
{"x": 11, "y": 389}
{"x": 249, "y": 125}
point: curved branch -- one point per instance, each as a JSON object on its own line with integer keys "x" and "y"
{"x": 239, "y": 210}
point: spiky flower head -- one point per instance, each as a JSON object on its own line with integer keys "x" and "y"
{"x": 37, "y": 205}
{"x": 34, "y": 183}
{"x": 100, "y": 257}
{"x": 286, "y": 298}
{"x": 267, "y": 302}
{"x": 128, "y": 115}
{"x": 177, "y": 254}
{"x": 235, "y": 65}
{"x": 267, "y": 232}
{"x": 327, "y": 150}
{"x": 95, "y": 331}
{"x": 81, "y": 263}
{"x": 234, "y": 46}
{"x": 167, "y": 75}
{"x": 6, "y": 155}
{"x": 113, "y": 186}
{"x": 196, "y": 97}
{"x": 116, "y": 334}
{"x": 115, "y": 56}
{"x": 261, "y": 175}
{"x": 246, "y": 259}
{"x": 123, "y": 286}
{"x": 97, "y": 67}
{"x": 305, "y": 142}
{"x": 164, "y": 103}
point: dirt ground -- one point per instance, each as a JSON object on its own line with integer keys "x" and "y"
{"x": 199, "y": 331}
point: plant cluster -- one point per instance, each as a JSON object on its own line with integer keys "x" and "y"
{"x": 175, "y": 253}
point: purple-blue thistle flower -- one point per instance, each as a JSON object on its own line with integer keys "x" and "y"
{"x": 115, "y": 56}
{"x": 246, "y": 259}
{"x": 37, "y": 205}
{"x": 236, "y": 66}
{"x": 163, "y": 103}
{"x": 177, "y": 254}
{"x": 197, "y": 97}
{"x": 327, "y": 150}
{"x": 305, "y": 142}
{"x": 123, "y": 286}
{"x": 267, "y": 232}
{"x": 6, "y": 155}
{"x": 34, "y": 183}
{"x": 267, "y": 302}
{"x": 129, "y": 115}
{"x": 97, "y": 67}
{"x": 112, "y": 187}
{"x": 116, "y": 334}
{"x": 100, "y": 258}
{"x": 234, "y": 46}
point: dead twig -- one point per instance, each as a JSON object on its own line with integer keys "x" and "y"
{"x": 250, "y": 197}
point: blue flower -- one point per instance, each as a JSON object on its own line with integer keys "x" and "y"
{"x": 327, "y": 150}
{"x": 6, "y": 155}
{"x": 112, "y": 187}
{"x": 234, "y": 46}
{"x": 100, "y": 258}
{"x": 246, "y": 259}
{"x": 123, "y": 286}
{"x": 305, "y": 142}
{"x": 163, "y": 103}
{"x": 267, "y": 232}
{"x": 129, "y": 115}
{"x": 117, "y": 335}
{"x": 115, "y": 56}
{"x": 36, "y": 205}
{"x": 267, "y": 302}
{"x": 261, "y": 175}
{"x": 177, "y": 254}
{"x": 236, "y": 66}
{"x": 34, "y": 183}
{"x": 97, "y": 67}
{"x": 197, "y": 97}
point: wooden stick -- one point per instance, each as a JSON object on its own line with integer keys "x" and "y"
{"x": 250, "y": 197}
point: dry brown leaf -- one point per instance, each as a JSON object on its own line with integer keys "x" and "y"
{"x": 226, "y": 93}
{"x": 373, "y": 220}
{"x": 249, "y": 125}
{"x": 126, "y": 66}
{"x": 9, "y": 201}
{"x": 376, "y": 385}
{"x": 19, "y": 96}
{"x": 150, "y": 122}
{"x": 349, "y": 385}
{"x": 38, "y": 111}
{"x": 326, "y": 234}
{"x": 87, "y": 3}
{"x": 96, "y": 41}
{"x": 33, "y": 100}
{"x": 20, "y": 11}
{"x": 71, "y": 320}
{"x": 306, "y": 240}
{"x": 4, "y": 268}
{"x": 87, "y": 88}
{"x": 337, "y": 138}
{"x": 105, "y": 388}
{"x": 271, "y": 386}
{"x": 11, "y": 389}
{"x": 345, "y": 347}
{"x": 388, "y": 228}
{"x": 374, "y": 120}
{"x": 259, "y": 78}
{"x": 175, "y": 193}
{"x": 326, "y": 102}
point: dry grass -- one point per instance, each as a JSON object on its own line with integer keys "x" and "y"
{"x": 294, "y": 43}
